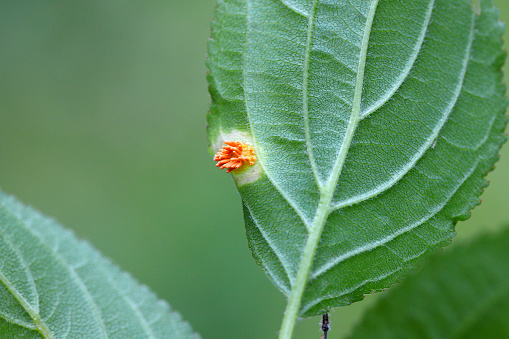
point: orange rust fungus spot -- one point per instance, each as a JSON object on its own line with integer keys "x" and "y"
{"x": 234, "y": 155}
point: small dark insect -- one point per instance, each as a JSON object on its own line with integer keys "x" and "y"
{"x": 324, "y": 325}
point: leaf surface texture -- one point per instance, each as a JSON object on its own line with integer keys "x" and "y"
{"x": 53, "y": 285}
{"x": 374, "y": 123}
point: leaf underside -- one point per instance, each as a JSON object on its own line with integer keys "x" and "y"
{"x": 53, "y": 285}
{"x": 464, "y": 294}
{"x": 374, "y": 123}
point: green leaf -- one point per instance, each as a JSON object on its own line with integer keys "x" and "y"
{"x": 462, "y": 294}
{"x": 374, "y": 123}
{"x": 53, "y": 285}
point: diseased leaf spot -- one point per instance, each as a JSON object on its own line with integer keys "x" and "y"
{"x": 234, "y": 156}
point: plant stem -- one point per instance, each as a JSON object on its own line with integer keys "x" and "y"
{"x": 325, "y": 325}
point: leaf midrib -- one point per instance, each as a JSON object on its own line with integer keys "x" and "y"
{"x": 383, "y": 242}
{"x": 327, "y": 191}
{"x": 410, "y": 165}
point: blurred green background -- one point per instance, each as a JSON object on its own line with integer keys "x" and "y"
{"x": 102, "y": 125}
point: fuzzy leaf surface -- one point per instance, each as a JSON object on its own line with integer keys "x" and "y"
{"x": 53, "y": 285}
{"x": 374, "y": 123}
{"x": 462, "y": 294}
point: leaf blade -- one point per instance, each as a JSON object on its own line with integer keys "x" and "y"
{"x": 74, "y": 291}
{"x": 415, "y": 143}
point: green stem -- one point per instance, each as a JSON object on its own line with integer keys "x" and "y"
{"x": 327, "y": 193}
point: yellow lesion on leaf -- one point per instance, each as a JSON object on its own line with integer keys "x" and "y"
{"x": 234, "y": 155}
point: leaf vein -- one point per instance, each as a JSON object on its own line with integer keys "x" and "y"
{"x": 305, "y": 82}
{"x": 368, "y": 247}
{"x": 261, "y": 160}
{"x": 73, "y": 273}
{"x": 408, "y": 67}
{"x": 274, "y": 250}
{"x": 426, "y": 146}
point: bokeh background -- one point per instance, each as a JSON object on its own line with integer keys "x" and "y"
{"x": 102, "y": 125}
